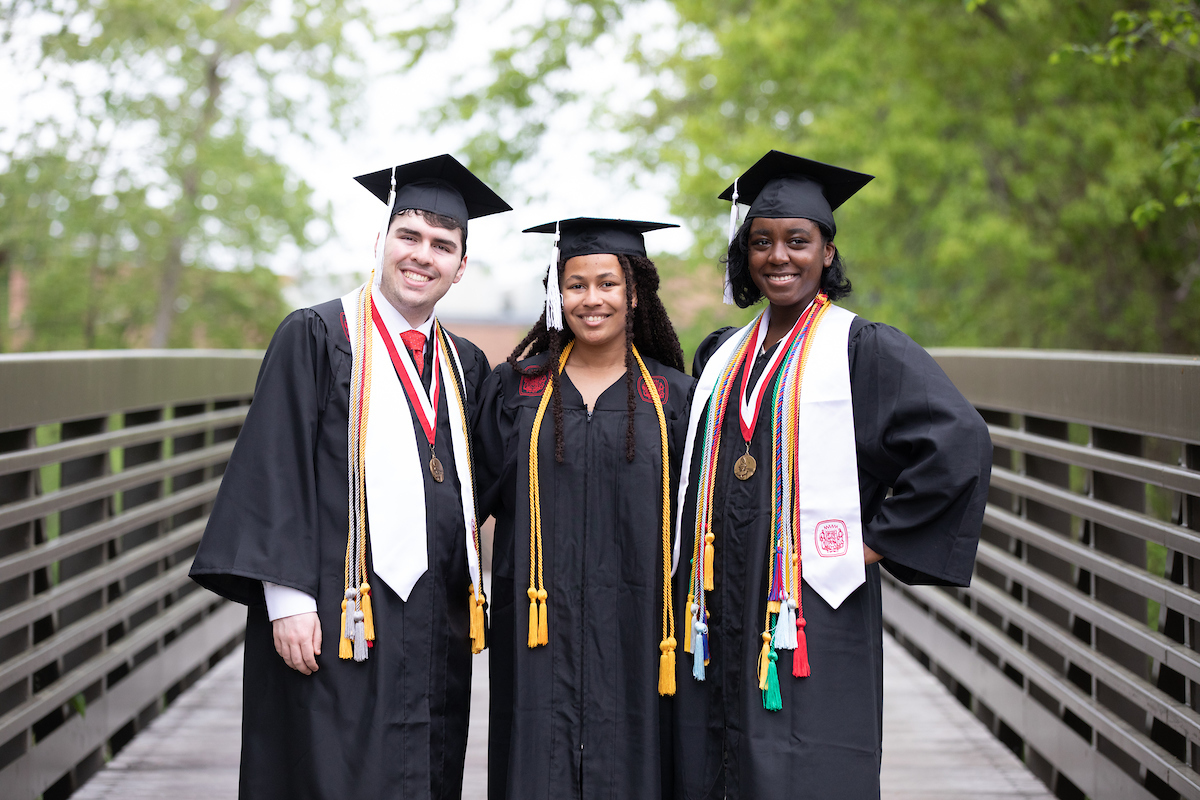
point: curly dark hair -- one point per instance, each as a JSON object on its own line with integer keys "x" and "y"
{"x": 646, "y": 326}
{"x": 834, "y": 282}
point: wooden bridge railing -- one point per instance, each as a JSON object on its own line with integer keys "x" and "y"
{"x": 109, "y": 462}
{"x": 1077, "y": 642}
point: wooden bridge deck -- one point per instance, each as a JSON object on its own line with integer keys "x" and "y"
{"x": 933, "y": 749}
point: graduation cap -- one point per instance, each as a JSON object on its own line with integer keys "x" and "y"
{"x": 784, "y": 186}
{"x": 439, "y": 184}
{"x": 583, "y": 236}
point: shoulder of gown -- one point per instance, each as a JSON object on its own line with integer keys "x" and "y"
{"x": 475, "y": 370}
{"x": 263, "y": 524}
{"x": 917, "y": 435}
{"x": 709, "y": 346}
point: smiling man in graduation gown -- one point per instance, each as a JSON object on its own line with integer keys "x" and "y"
{"x": 346, "y": 520}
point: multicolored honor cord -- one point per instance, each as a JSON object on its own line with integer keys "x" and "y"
{"x": 357, "y": 621}
{"x": 783, "y": 588}
{"x": 358, "y": 624}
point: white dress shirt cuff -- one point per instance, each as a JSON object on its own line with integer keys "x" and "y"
{"x": 284, "y": 601}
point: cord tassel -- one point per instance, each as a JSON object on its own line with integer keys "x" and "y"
{"x": 364, "y": 595}
{"x": 360, "y": 637}
{"x": 709, "y": 557}
{"x": 785, "y": 629}
{"x": 727, "y": 296}
{"x": 345, "y": 646}
{"x": 800, "y": 654}
{"x": 771, "y": 699}
{"x": 694, "y": 609}
{"x": 666, "y": 667}
{"x": 554, "y": 299}
{"x": 543, "y": 626}
{"x": 698, "y": 659}
{"x": 477, "y": 625}
{"x": 533, "y": 617}
{"x": 764, "y": 659}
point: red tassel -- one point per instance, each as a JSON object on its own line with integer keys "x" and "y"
{"x": 800, "y": 654}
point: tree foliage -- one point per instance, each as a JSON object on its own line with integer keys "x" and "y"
{"x": 148, "y": 212}
{"x": 1002, "y": 213}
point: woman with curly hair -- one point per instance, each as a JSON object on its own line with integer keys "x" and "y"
{"x": 576, "y": 459}
{"x": 820, "y": 446}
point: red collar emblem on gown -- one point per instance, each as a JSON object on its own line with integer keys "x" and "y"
{"x": 533, "y": 385}
{"x": 660, "y": 383}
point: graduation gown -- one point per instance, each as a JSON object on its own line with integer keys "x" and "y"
{"x": 914, "y": 434}
{"x": 394, "y": 726}
{"x": 580, "y": 717}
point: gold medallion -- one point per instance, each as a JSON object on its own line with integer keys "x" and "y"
{"x": 435, "y": 469}
{"x": 744, "y": 467}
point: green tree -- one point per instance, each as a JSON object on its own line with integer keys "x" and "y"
{"x": 1173, "y": 27}
{"x": 1006, "y": 180}
{"x": 149, "y": 215}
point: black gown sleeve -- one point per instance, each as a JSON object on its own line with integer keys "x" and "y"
{"x": 263, "y": 525}
{"x": 496, "y": 438}
{"x": 708, "y": 347}
{"x": 917, "y": 435}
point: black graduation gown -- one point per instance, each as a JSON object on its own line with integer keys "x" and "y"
{"x": 914, "y": 433}
{"x": 581, "y": 716}
{"x": 394, "y": 726}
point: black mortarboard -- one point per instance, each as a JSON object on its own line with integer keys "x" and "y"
{"x": 439, "y": 184}
{"x": 782, "y": 186}
{"x": 584, "y": 236}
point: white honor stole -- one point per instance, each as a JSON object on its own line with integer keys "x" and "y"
{"x": 395, "y": 471}
{"x": 831, "y": 544}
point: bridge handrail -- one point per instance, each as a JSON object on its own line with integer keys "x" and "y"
{"x": 109, "y": 463}
{"x": 1076, "y": 643}
{"x": 1077, "y": 640}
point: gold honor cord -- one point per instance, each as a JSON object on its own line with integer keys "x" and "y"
{"x": 538, "y": 633}
{"x": 358, "y": 624}
{"x": 476, "y": 597}
{"x": 666, "y": 662}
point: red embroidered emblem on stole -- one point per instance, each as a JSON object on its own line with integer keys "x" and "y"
{"x": 832, "y": 538}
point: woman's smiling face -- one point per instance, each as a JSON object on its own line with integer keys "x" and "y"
{"x": 787, "y": 257}
{"x": 593, "y": 288}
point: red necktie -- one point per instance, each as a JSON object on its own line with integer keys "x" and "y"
{"x": 415, "y": 342}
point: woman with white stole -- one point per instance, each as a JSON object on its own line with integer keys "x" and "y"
{"x": 820, "y": 446}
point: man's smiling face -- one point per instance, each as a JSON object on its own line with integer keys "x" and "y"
{"x": 420, "y": 264}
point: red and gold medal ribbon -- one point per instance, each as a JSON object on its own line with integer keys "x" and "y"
{"x": 425, "y": 407}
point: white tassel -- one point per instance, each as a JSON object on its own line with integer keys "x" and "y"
{"x": 360, "y": 637}
{"x": 554, "y": 299}
{"x": 381, "y": 242}
{"x": 698, "y": 650}
{"x": 785, "y": 626}
{"x": 734, "y": 219}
